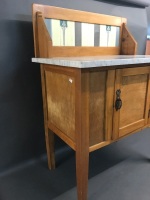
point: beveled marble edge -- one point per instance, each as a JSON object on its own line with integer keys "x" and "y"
{"x": 94, "y": 61}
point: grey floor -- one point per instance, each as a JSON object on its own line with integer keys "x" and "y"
{"x": 120, "y": 171}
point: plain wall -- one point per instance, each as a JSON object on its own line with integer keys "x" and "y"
{"x": 21, "y": 115}
{"x": 148, "y": 19}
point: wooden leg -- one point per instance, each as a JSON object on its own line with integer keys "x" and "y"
{"x": 82, "y": 134}
{"x": 49, "y": 135}
{"x": 82, "y": 166}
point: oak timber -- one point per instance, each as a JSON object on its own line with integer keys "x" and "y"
{"x": 79, "y": 104}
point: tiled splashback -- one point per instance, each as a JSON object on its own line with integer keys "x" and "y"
{"x": 69, "y": 33}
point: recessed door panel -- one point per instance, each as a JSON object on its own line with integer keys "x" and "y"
{"x": 134, "y": 94}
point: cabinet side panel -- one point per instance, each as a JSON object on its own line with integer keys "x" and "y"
{"x": 97, "y": 81}
{"x": 61, "y": 102}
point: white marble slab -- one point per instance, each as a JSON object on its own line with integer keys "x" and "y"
{"x": 94, "y": 61}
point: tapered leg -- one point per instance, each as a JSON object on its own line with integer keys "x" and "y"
{"x": 49, "y": 135}
{"x": 82, "y": 133}
{"x": 82, "y": 166}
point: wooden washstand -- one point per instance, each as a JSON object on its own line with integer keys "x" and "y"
{"x": 93, "y": 94}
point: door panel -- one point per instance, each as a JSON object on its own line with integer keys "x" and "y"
{"x": 133, "y": 83}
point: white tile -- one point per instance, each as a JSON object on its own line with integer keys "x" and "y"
{"x": 87, "y": 34}
{"x": 103, "y": 36}
{"x": 62, "y": 36}
{"x": 108, "y": 38}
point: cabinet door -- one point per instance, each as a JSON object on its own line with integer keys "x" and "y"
{"x": 132, "y": 87}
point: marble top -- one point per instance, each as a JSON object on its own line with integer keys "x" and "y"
{"x": 94, "y": 61}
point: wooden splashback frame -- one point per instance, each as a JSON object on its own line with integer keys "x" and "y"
{"x": 43, "y": 42}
